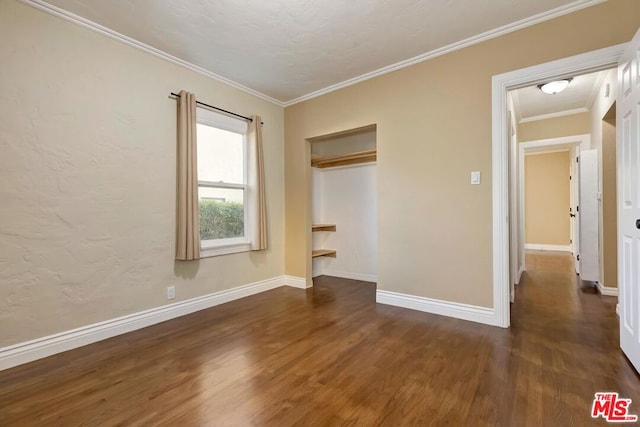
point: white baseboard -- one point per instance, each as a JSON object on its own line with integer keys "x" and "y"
{"x": 444, "y": 308}
{"x": 542, "y": 247}
{"x": 296, "y": 282}
{"x": 29, "y": 351}
{"x": 607, "y": 291}
{"x": 353, "y": 276}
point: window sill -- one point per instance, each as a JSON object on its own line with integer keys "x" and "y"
{"x": 230, "y": 248}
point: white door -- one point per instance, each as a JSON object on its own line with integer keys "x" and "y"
{"x": 588, "y": 210}
{"x": 573, "y": 208}
{"x": 628, "y": 162}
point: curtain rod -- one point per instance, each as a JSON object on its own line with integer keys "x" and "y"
{"x": 177, "y": 95}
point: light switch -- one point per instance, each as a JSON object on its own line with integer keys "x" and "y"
{"x": 475, "y": 178}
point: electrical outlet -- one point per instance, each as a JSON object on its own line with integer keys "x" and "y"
{"x": 171, "y": 292}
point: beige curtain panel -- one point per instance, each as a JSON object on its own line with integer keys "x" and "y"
{"x": 257, "y": 198}
{"x": 188, "y": 209}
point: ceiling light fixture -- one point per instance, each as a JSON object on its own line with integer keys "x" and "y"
{"x": 555, "y": 86}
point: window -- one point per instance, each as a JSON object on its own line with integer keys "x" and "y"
{"x": 222, "y": 183}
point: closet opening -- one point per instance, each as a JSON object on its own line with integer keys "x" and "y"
{"x": 344, "y": 204}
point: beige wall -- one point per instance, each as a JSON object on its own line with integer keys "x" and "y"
{"x": 434, "y": 128}
{"x": 87, "y": 136}
{"x": 546, "y": 198}
{"x": 574, "y": 124}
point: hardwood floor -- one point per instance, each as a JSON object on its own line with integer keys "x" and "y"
{"x": 331, "y": 356}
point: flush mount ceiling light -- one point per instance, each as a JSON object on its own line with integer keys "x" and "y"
{"x": 555, "y": 86}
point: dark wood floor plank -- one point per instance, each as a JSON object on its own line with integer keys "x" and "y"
{"x": 332, "y": 356}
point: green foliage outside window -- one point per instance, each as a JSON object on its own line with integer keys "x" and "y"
{"x": 221, "y": 220}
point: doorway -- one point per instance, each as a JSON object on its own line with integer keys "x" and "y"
{"x": 560, "y": 188}
{"x": 547, "y": 200}
{"x": 548, "y": 179}
{"x": 561, "y": 191}
{"x": 565, "y": 68}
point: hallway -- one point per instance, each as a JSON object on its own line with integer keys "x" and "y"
{"x": 552, "y": 298}
{"x": 567, "y": 335}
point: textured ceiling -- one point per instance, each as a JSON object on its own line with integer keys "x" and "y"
{"x": 530, "y": 103}
{"x": 289, "y": 48}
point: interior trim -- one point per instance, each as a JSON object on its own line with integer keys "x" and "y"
{"x": 553, "y": 115}
{"x": 479, "y": 38}
{"x": 487, "y": 35}
{"x": 29, "y": 351}
{"x": 545, "y": 247}
{"x": 295, "y": 282}
{"x": 607, "y": 291}
{"x": 456, "y": 310}
{"x": 93, "y": 26}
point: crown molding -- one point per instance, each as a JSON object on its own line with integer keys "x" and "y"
{"x": 488, "y": 35}
{"x": 602, "y": 75}
{"x": 497, "y": 32}
{"x": 535, "y": 153}
{"x": 93, "y": 26}
{"x": 554, "y": 115}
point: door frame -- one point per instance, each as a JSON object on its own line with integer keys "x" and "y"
{"x": 500, "y": 84}
{"x": 573, "y": 144}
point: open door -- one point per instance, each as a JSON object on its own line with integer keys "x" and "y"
{"x": 588, "y": 213}
{"x": 573, "y": 208}
{"x": 628, "y": 154}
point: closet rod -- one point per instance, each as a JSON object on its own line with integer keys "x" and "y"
{"x": 177, "y": 95}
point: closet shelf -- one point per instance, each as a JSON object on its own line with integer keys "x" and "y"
{"x": 323, "y": 252}
{"x": 323, "y": 227}
{"x": 344, "y": 159}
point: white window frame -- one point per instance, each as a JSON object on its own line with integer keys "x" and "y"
{"x": 209, "y": 248}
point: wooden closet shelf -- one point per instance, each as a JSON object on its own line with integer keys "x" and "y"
{"x": 323, "y": 227}
{"x": 344, "y": 159}
{"x": 323, "y": 252}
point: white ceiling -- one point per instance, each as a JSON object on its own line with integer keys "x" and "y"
{"x": 530, "y": 103}
{"x": 286, "y": 49}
